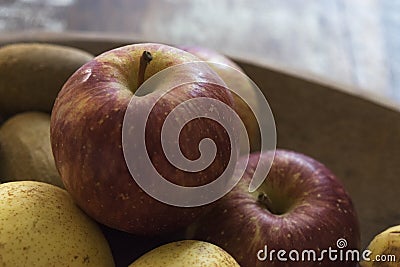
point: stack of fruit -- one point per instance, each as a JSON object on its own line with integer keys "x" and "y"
{"x": 64, "y": 117}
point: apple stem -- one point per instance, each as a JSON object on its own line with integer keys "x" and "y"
{"x": 265, "y": 200}
{"x": 144, "y": 61}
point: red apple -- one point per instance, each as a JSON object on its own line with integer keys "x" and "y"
{"x": 228, "y": 71}
{"x": 86, "y": 136}
{"x": 301, "y": 206}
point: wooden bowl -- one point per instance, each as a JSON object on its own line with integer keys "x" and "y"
{"x": 355, "y": 135}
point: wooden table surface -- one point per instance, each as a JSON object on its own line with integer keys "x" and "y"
{"x": 350, "y": 42}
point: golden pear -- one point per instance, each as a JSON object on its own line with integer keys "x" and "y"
{"x": 41, "y": 226}
{"x": 186, "y": 253}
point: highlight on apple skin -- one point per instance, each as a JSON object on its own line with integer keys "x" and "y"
{"x": 227, "y": 70}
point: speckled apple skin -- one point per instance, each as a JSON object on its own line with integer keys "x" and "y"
{"x": 40, "y": 225}
{"x": 228, "y": 71}
{"x": 320, "y": 212}
{"x": 186, "y": 253}
{"x": 86, "y": 137}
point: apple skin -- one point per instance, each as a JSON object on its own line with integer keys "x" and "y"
{"x": 224, "y": 70}
{"x": 311, "y": 210}
{"x": 86, "y": 138}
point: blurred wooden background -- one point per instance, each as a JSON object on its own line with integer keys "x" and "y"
{"x": 353, "y": 42}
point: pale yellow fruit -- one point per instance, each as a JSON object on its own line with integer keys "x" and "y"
{"x": 41, "y": 226}
{"x": 385, "y": 246}
{"x": 186, "y": 253}
{"x": 25, "y": 149}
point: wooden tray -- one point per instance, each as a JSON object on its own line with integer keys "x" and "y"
{"x": 357, "y": 136}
